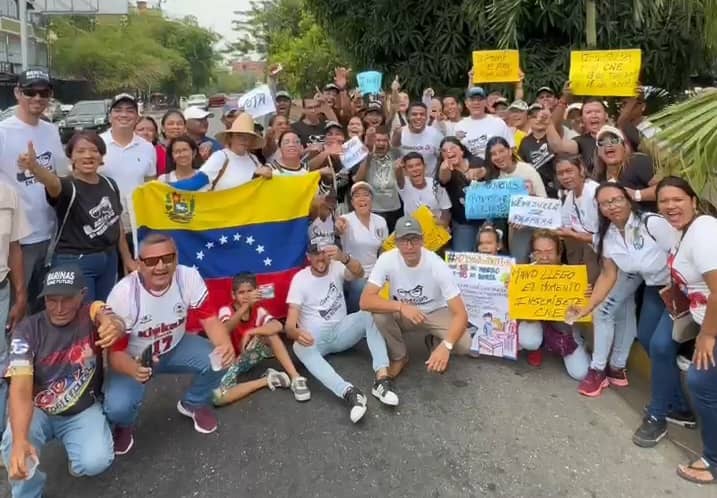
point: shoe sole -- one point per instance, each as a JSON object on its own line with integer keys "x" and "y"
{"x": 189, "y": 414}
{"x": 378, "y": 397}
{"x": 682, "y": 423}
{"x": 618, "y": 382}
{"x": 302, "y": 398}
{"x": 651, "y": 443}
{"x": 594, "y": 394}
{"x": 360, "y": 417}
{"x": 129, "y": 447}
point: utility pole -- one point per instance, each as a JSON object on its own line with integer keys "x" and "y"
{"x": 22, "y": 14}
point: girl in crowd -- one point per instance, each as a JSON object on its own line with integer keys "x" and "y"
{"x": 278, "y": 125}
{"x": 290, "y": 160}
{"x": 173, "y": 125}
{"x": 501, "y": 163}
{"x": 452, "y": 109}
{"x": 355, "y": 127}
{"x": 362, "y": 235}
{"x": 182, "y": 160}
{"x": 147, "y": 128}
{"x": 557, "y": 337}
{"x": 88, "y": 210}
{"x": 489, "y": 240}
{"x": 693, "y": 264}
{"x": 458, "y": 167}
{"x": 579, "y": 213}
{"x": 416, "y": 189}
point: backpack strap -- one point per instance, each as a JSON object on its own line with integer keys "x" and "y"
{"x": 56, "y": 239}
{"x": 645, "y": 217}
{"x": 221, "y": 173}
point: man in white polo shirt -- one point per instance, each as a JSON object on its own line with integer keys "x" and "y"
{"x": 130, "y": 160}
{"x": 424, "y": 298}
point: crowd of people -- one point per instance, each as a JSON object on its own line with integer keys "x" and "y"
{"x": 89, "y": 318}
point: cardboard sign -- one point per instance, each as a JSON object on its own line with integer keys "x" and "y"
{"x": 258, "y": 102}
{"x": 369, "y": 82}
{"x": 485, "y": 200}
{"x": 353, "y": 152}
{"x": 537, "y": 212}
{"x": 544, "y": 292}
{"x": 496, "y": 66}
{"x": 434, "y": 235}
{"x": 605, "y": 73}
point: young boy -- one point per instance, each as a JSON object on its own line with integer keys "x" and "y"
{"x": 255, "y": 335}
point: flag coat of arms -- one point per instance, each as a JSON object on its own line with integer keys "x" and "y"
{"x": 260, "y": 227}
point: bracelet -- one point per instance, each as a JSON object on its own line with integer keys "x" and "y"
{"x": 346, "y": 261}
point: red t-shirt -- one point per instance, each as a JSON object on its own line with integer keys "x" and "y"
{"x": 258, "y": 318}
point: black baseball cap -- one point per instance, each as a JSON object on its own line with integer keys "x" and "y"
{"x": 34, "y": 77}
{"x": 63, "y": 280}
{"x": 124, "y": 97}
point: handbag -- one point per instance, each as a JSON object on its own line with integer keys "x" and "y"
{"x": 677, "y": 304}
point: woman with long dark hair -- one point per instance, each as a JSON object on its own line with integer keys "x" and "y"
{"x": 183, "y": 159}
{"x": 147, "y": 128}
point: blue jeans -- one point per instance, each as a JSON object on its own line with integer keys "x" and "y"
{"x": 86, "y": 437}
{"x": 614, "y": 323}
{"x": 124, "y": 395}
{"x": 655, "y": 335}
{"x": 98, "y": 268}
{"x": 4, "y": 310}
{"x": 702, "y": 385}
{"x": 464, "y": 237}
{"x": 352, "y": 293}
{"x": 347, "y": 334}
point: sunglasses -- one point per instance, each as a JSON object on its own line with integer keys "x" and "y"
{"x": 609, "y": 141}
{"x": 153, "y": 261}
{"x": 617, "y": 202}
{"x": 34, "y": 92}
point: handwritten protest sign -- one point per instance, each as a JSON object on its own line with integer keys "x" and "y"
{"x": 608, "y": 73}
{"x": 369, "y": 82}
{"x": 483, "y": 279}
{"x": 537, "y": 212}
{"x": 492, "y": 199}
{"x": 544, "y": 292}
{"x": 434, "y": 235}
{"x": 258, "y": 102}
{"x": 496, "y": 66}
{"x": 353, "y": 152}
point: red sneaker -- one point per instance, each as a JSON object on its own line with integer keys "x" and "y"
{"x": 205, "y": 422}
{"x": 535, "y": 358}
{"x": 593, "y": 383}
{"x": 123, "y": 439}
{"x": 617, "y": 376}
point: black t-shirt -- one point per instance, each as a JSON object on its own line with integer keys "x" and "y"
{"x": 93, "y": 223}
{"x": 587, "y": 148}
{"x": 637, "y": 176}
{"x": 537, "y": 152}
{"x": 455, "y": 188}
{"x": 309, "y": 134}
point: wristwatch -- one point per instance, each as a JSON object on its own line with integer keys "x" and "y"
{"x": 448, "y": 345}
{"x": 348, "y": 258}
{"x": 638, "y": 195}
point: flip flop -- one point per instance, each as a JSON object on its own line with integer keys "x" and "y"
{"x": 707, "y": 468}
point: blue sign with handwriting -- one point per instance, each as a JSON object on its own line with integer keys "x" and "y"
{"x": 485, "y": 200}
{"x": 369, "y": 82}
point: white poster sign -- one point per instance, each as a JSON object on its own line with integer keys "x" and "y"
{"x": 536, "y": 212}
{"x": 353, "y": 152}
{"x": 258, "y": 102}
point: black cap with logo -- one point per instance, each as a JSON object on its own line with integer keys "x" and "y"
{"x": 63, "y": 280}
{"x": 34, "y": 77}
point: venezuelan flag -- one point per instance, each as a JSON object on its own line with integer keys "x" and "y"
{"x": 260, "y": 227}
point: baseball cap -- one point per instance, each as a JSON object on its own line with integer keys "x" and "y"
{"x": 374, "y": 106}
{"x": 545, "y": 89}
{"x": 230, "y": 107}
{"x": 123, "y": 97}
{"x": 63, "y": 280}
{"x": 610, "y": 130}
{"x": 407, "y": 225}
{"x": 331, "y": 86}
{"x": 518, "y": 105}
{"x": 194, "y": 112}
{"x": 475, "y": 91}
{"x": 332, "y": 124}
{"x": 31, "y": 77}
{"x": 282, "y": 94}
{"x": 535, "y": 106}
{"x": 501, "y": 100}
{"x": 361, "y": 185}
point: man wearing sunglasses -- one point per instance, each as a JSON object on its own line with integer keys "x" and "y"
{"x": 33, "y": 92}
{"x": 154, "y": 302}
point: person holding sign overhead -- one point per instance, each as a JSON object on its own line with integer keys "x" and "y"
{"x": 475, "y": 130}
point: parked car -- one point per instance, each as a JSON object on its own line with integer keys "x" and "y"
{"x": 66, "y": 108}
{"x": 217, "y": 100}
{"x": 85, "y": 115}
{"x": 198, "y": 100}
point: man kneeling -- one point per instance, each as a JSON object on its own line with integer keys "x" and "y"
{"x": 424, "y": 298}
{"x": 55, "y": 371}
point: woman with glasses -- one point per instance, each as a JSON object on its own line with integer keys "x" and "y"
{"x": 290, "y": 160}
{"x": 633, "y": 247}
{"x": 182, "y": 159}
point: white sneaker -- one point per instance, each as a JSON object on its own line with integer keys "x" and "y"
{"x": 300, "y": 389}
{"x": 277, "y": 379}
{"x": 357, "y": 401}
{"x": 383, "y": 391}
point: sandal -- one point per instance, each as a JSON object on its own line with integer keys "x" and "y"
{"x": 682, "y": 472}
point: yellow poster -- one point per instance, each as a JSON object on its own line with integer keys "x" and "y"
{"x": 605, "y": 73}
{"x": 434, "y": 235}
{"x": 496, "y": 66}
{"x": 544, "y": 292}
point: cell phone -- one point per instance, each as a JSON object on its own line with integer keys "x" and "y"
{"x": 147, "y": 358}
{"x": 267, "y": 291}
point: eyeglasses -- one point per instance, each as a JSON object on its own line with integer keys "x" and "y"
{"x": 153, "y": 261}
{"x": 617, "y": 202}
{"x": 409, "y": 241}
{"x": 291, "y": 142}
{"x": 33, "y": 92}
{"x": 609, "y": 141}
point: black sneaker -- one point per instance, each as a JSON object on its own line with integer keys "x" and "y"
{"x": 684, "y": 419}
{"x": 383, "y": 391}
{"x": 357, "y": 401}
{"x": 650, "y": 432}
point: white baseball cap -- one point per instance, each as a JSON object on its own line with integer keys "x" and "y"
{"x": 194, "y": 112}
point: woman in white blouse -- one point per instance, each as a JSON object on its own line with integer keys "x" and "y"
{"x": 362, "y": 235}
{"x": 182, "y": 159}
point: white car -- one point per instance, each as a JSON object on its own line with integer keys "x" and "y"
{"x": 198, "y": 100}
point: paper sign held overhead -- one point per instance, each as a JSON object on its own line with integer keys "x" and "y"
{"x": 536, "y": 212}
{"x": 258, "y": 102}
{"x": 369, "y": 82}
{"x": 353, "y": 152}
{"x": 496, "y": 66}
{"x": 434, "y": 235}
{"x": 491, "y": 199}
{"x": 605, "y": 73}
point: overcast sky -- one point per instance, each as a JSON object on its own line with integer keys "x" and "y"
{"x": 214, "y": 14}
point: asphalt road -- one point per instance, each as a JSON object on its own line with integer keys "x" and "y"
{"x": 485, "y": 428}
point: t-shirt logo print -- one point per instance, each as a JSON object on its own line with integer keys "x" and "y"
{"x": 44, "y": 160}
{"x": 412, "y": 296}
{"x": 331, "y": 303}
{"x": 104, "y": 217}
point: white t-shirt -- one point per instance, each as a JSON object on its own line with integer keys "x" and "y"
{"x": 320, "y": 300}
{"x": 160, "y": 320}
{"x": 362, "y": 243}
{"x": 322, "y": 231}
{"x": 13, "y": 224}
{"x": 527, "y": 172}
{"x": 14, "y": 137}
{"x": 475, "y": 133}
{"x": 581, "y": 214}
{"x": 128, "y": 166}
{"x": 239, "y": 170}
{"x": 428, "y": 286}
{"x": 413, "y": 198}
{"x": 644, "y": 248}
{"x": 427, "y": 143}
{"x": 692, "y": 258}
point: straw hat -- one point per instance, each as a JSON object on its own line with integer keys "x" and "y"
{"x": 243, "y": 124}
